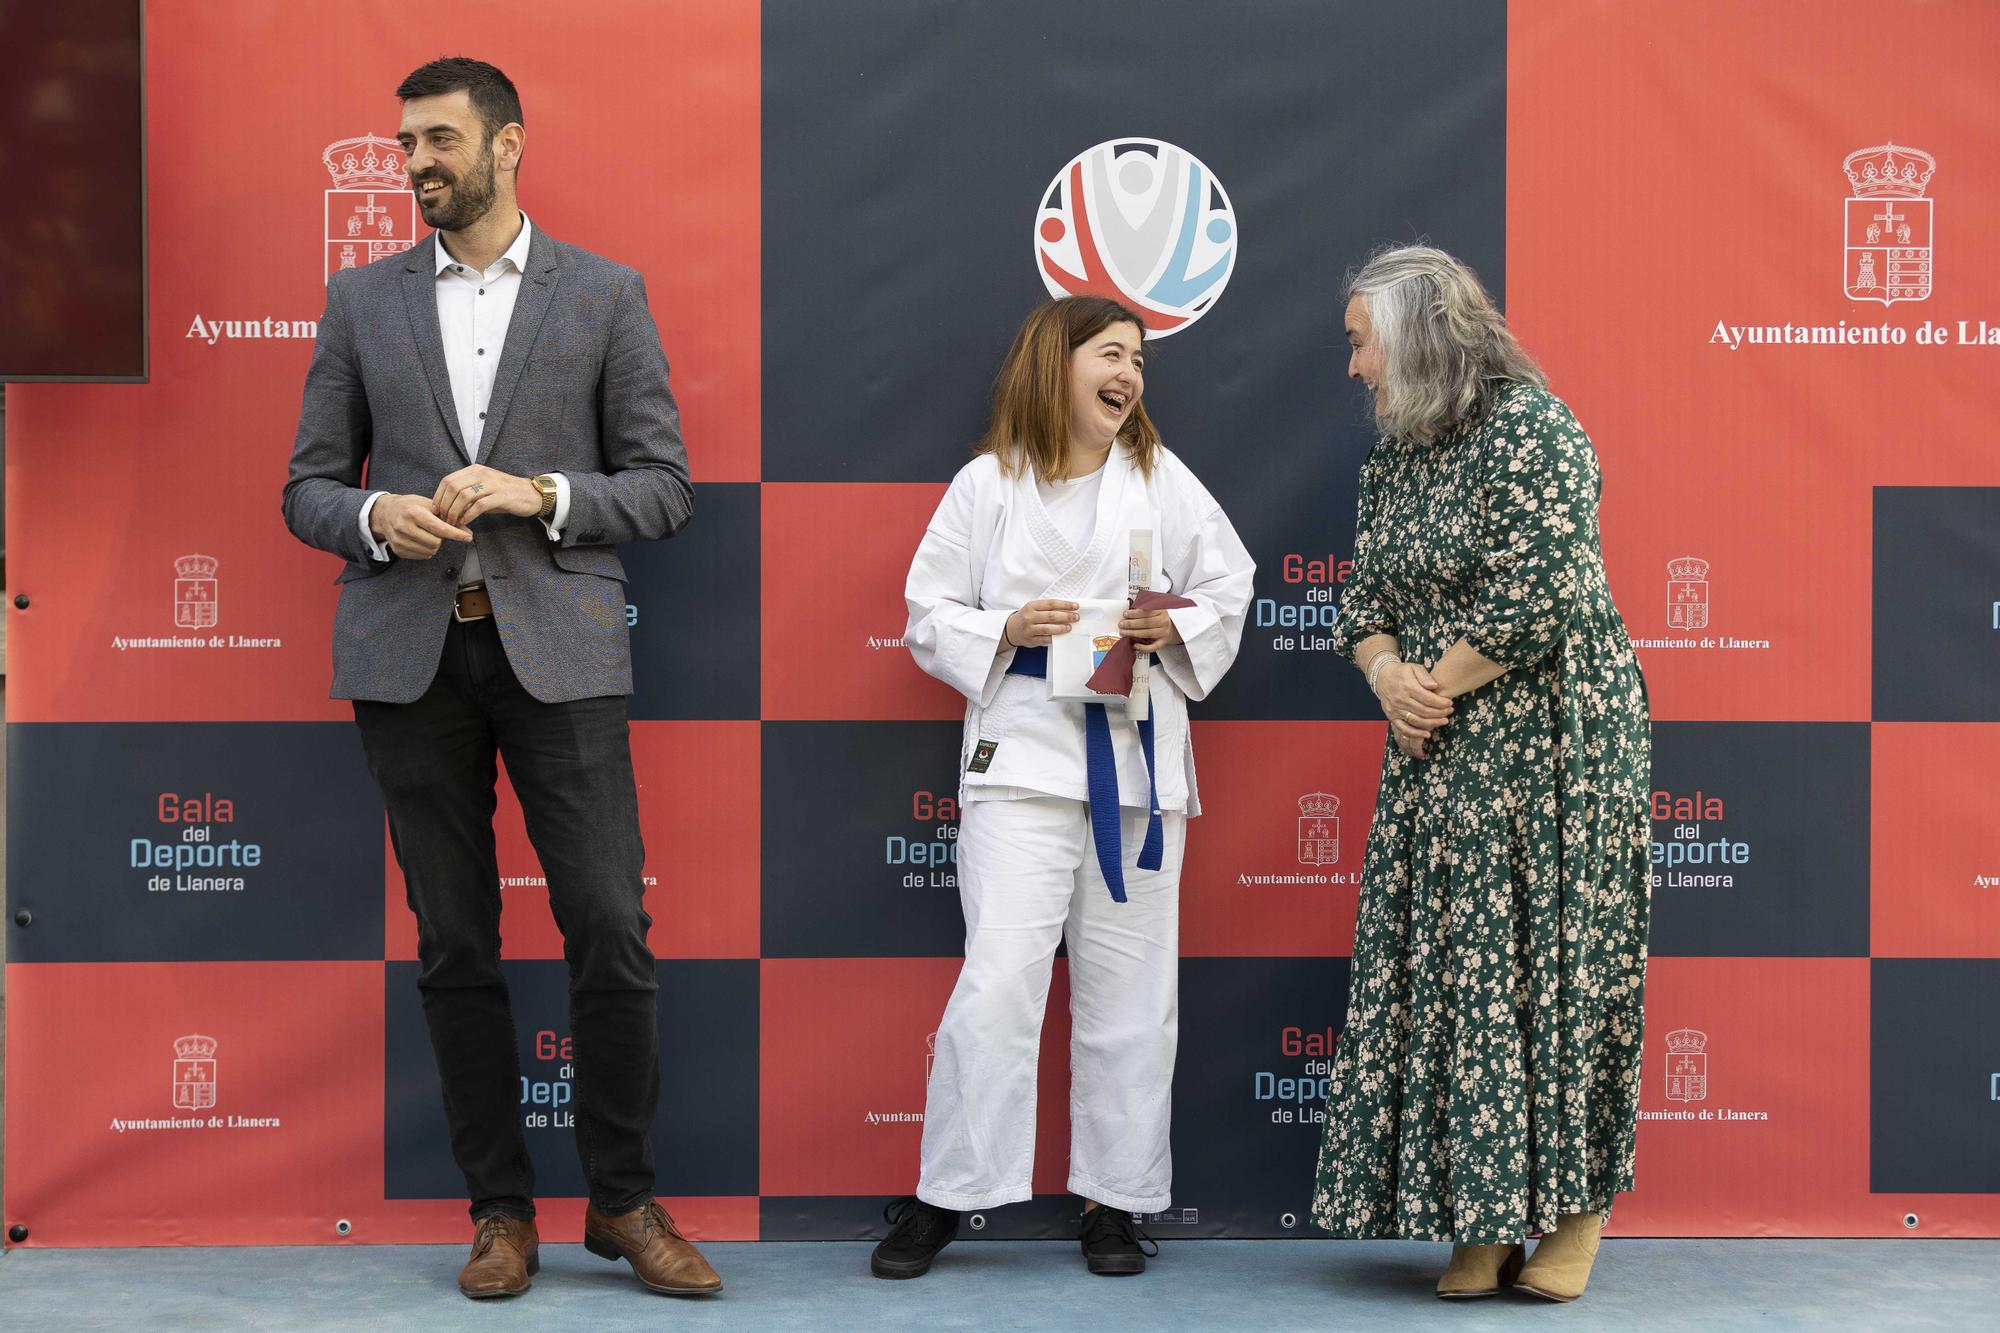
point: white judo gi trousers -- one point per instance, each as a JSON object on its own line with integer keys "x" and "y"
{"x": 1028, "y": 876}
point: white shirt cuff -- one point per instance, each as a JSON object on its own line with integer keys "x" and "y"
{"x": 375, "y": 548}
{"x": 561, "y": 516}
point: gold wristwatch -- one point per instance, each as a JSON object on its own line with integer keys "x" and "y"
{"x": 547, "y": 486}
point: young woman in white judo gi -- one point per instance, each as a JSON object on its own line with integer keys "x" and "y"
{"x": 1074, "y": 815}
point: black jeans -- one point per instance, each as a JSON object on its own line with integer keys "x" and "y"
{"x": 571, "y": 766}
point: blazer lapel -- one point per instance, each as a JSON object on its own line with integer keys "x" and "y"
{"x": 538, "y": 292}
{"x": 420, "y": 299}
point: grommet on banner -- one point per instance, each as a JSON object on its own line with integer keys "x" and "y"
{"x": 342, "y": 1227}
{"x": 24, "y": 918}
{"x": 17, "y": 1233}
{"x": 1910, "y": 1221}
{"x": 1288, "y": 1220}
{"x": 21, "y": 600}
{"x": 978, "y": 1221}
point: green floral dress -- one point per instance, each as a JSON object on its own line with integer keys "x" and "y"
{"x": 1487, "y": 1081}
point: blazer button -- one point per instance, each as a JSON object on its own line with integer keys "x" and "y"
{"x": 450, "y": 571}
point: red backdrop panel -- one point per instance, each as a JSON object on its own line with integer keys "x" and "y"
{"x": 1766, "y": 1131}
{"x": 1265, "y": 877}
{"x": 699, "y": 814}
{"x": 835, "y": 558}
{"x": 1665, "y": 177}
{"x": 1935, "y": 848}
{"x": 192, "y": 464}
{"x": 845, "y": 1055}
{"x": 210, "y": 1103}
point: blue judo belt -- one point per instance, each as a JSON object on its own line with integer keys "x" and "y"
{"x": 1101, "y": 777}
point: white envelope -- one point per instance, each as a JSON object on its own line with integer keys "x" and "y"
{"x": 1074, "y": 656}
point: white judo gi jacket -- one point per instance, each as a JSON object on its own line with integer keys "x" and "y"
{"x": 991, "y": 549}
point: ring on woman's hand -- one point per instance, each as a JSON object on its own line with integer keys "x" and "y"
{"x": 1408, "y": 718}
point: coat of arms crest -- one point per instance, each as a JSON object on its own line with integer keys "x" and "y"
{"x": 1687, "y": 593}
{"x": 1888, "y": 224}
{"x": 1319, "y": 829}
{"x": 196, "y": 589}
{"x": 194, "y": 1073}
{"x": 370, "y": 211}
{"x": 1687, "y": 1065}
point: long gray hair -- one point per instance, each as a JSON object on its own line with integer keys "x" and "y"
{"x": 1446, "y": 351}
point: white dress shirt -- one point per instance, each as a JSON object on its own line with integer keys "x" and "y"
{"x": 474, "y": 310}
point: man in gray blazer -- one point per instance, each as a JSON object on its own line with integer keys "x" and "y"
{"x": 486, "y": 417}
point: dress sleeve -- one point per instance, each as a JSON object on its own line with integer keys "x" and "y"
{"x": 1362, "y": 610}
{"x": 948, "y": 633}
{"x": 1539, "y": 498}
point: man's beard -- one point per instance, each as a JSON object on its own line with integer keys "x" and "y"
{"x": 471, "y": 197}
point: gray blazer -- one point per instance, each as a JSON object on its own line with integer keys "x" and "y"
{"x": 581, "y": 389}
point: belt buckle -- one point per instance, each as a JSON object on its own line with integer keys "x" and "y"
{"x": 465, "y": 619}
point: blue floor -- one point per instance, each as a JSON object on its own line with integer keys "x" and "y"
{"x": 1262, "y": 1285}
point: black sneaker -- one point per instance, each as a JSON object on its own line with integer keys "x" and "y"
{"x": 917, "y": 1231}
{"x": 1113, "y": 1245}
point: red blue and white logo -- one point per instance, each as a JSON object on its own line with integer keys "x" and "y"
{"x": 1143, "y": 222}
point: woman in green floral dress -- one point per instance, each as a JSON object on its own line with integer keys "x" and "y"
{"x": 1486, "y": 1086}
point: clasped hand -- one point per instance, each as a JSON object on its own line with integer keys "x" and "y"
{"x": 415, "y": 527}
{"x": 1413, "y": 703}
{"x": 1037, "y": 623}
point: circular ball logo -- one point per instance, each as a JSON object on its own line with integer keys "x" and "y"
{"x": 1143, "y": 222}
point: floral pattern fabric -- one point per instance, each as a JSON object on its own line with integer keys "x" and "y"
{"x": 1487, "y": 1080}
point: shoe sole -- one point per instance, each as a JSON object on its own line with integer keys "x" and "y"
{"x": 1545, "y": 1295}
{"x": 606, "y": 1250}
{"x": 1117, "y": 1267}
{"x": 897, "y": 1272}
{"x": 715, "y": 1290}
{"x": 1468, "y": 1295}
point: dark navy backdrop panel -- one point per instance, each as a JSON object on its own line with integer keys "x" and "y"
{"x": 1250, "y": 1093}
{"x": 692, "y": 606}
{"x": 861, "y": 840}
{"x": 704, "y": 1138}
{"x": 1937, "y": 604}
{"x": 900, "y": 230}
{"x": 192, "y": 842}
{"x": 899, "y": 257}
{"x": 1760, "y": 839}
{"x": 1934, "y": 1126}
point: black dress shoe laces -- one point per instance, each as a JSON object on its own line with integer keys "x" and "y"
{"x": 912, "y": 1221}
{"x": 1113, "y": 1230}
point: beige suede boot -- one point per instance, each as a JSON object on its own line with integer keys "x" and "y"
{"x": 1479, "y": 1270}
{"x": 1560, "y": 1268}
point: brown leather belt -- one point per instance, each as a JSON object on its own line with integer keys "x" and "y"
{"x": 472, "y": 604}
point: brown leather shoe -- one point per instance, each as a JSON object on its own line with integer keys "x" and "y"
{"x": 505, "y": 1251}
{"x": 661, "y": 1256}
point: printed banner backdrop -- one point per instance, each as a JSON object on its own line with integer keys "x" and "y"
{"x": 1752, "y": 253}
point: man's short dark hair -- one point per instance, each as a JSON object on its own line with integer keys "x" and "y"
{"x": 491, "y": 92}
